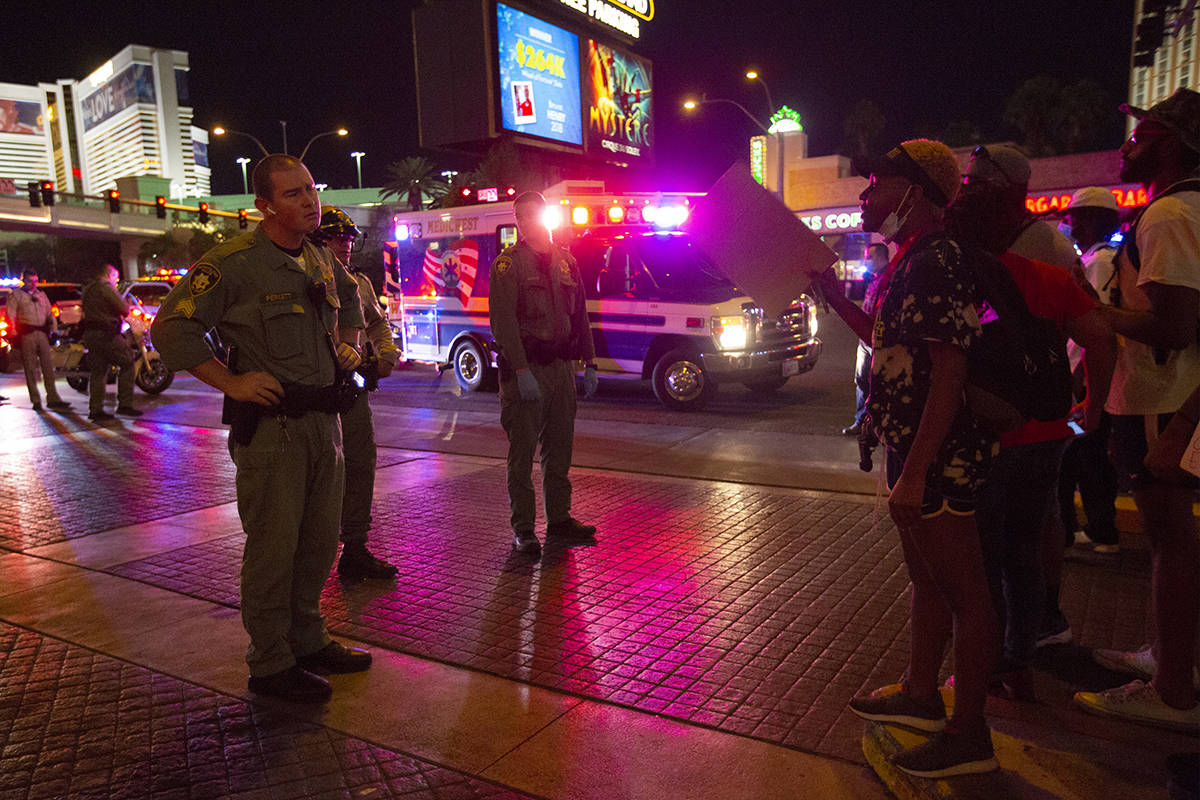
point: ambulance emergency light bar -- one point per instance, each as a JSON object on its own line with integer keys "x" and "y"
{"x": 668, "y": 215}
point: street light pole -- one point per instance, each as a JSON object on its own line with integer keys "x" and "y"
{"x": 357, "y": 156}
{"x": 691, "y": 104}
{"x": 219, "y": 131}
{"x": 780, "y": 170}
{"x": 245, "y": 186}
{"x": 338, "y": 132}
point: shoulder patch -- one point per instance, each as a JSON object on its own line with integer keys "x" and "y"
{"x": 203, "y": 278}
{"x": 502, "y": 264}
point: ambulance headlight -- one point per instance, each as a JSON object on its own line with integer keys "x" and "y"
{"x": 732, "y": 333}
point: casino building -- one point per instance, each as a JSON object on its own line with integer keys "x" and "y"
{"x": 131, "y": 116}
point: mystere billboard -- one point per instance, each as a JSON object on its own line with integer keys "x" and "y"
{"x": 539, "y": 77}
{"x": 618, "y": 121}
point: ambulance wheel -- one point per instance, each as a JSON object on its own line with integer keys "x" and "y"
{"x": 78, "y": 383}
{"x": 680, "y": 382}
{"x": 766, "y": 386}
{"x": 471, "y": 367}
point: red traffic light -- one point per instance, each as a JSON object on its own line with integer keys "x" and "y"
{"x": 466, "y": 192}
{"x": 160, "y": 207}
{"x": 47, "y": 193}
{"x": 114, "y": 200}
{"x": 510, "y": 191}
{"x": 204, "y": 212}
{"x": 243, "y": 218}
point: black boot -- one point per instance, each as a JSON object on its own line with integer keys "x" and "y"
{"x": 358, "y": 564}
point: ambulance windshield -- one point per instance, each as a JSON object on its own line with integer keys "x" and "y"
{"x": 678, "y": 268}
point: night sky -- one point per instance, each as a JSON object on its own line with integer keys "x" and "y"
{"x": 322, "y": 65}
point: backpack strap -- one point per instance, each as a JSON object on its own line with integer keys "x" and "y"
{"x": 1129, "y": 241}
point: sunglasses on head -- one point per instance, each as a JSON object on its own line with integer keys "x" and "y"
{"x": 981, "y": 153}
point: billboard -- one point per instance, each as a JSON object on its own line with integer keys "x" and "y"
{"x": 539, "y": 77}
{"x": 21, "y": 116}
{"x": 619, "y": 119}
{"x": 134, "y": 84}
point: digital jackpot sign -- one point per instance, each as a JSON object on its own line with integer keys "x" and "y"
{"x": 539, "y": 77}
{"x": 618, "y": 120}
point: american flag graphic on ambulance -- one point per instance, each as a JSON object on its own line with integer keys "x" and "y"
{"x": 453, "y": 272}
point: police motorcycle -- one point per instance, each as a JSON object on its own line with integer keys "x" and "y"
{"x": 150, "y": 373}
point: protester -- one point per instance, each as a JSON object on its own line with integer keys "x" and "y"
{"x": 1091, "y": 220}
{"x": 1018, "y": 493}
{"x": 540, "y": 323}
{"x": 29, "y": 314}
{"x": 937, "y": 455}
{"x": 290, "y": 315}
{"x": 1158, "y": 368}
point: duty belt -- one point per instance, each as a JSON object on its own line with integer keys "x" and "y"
{"x": 540, "y": 351}
{"x": 299, "y": 399}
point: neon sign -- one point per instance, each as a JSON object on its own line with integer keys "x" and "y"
{"x": 758, "y": 157}
{"x": 785, "y": 120}
{"x": 834, "y": 221}
{"x": 1131, "y": 197}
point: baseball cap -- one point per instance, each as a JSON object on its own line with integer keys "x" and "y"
{"x": 1180, "y": 112}
{"x": 1093, "y": 197}
{"x": 925, "y": 162}
{"x": 989, "y": 162}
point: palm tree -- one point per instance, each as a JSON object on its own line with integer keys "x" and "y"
{"x": 412, "y": 180}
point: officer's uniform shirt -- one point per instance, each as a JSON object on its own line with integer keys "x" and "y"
{"x": 30, "y": 307}
{"x": 256, "y": 296}
{"x": 101, "y": 305}
{"x": 529, "y": 299}
{"x": 378, "y": 332}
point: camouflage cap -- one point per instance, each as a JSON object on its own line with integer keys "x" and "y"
{"x": 1180, "y": 112}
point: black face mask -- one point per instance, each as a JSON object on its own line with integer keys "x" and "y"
{"x": 975, "y": 220}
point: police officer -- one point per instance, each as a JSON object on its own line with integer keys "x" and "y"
{"x": 539, "y": 321}
{"x": 339, "y": 233}
{"x": 29, "y": 313}
{"x": 104, "y": 311}
{"x": 277, "y": 300}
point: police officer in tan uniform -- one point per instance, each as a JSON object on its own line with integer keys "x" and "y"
{"x": 278, "y": 300}
{"x": 29, "y": 314}
{"x": 540, "y": 324}
{"x": 339, "y": 233}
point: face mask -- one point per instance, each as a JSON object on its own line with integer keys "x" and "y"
{"x": 1064, "y": 228}
{"x": 892, "y": 223}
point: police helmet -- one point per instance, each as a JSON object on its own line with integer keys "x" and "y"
{"x": 336, "y": 223}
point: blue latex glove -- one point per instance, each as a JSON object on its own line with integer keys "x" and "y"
{"x": 590, "y": 382}
{"x": 528, "y": 386}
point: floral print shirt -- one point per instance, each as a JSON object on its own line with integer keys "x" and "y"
{"x": 929, "y": 297}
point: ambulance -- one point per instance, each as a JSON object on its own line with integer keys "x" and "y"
{"x": 659, "y": 310}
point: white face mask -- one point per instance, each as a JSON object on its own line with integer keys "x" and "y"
{"x": 892, "y": 223}
{"x": 1064, "y": 228}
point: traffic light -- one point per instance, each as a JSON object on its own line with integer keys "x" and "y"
{"x": 243, "y": 218}
{"x": 510, "y": 192}
{"x": 160, "y": 207}
{"x": 114, "y": 200}
{"x": 466, "y": 191}
{"x": 47, "y": 193}
{"x": 203, "y": 213}
{"x": 35, "y": 194}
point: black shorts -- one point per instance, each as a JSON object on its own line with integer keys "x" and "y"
{"x": 1129, "y": 448}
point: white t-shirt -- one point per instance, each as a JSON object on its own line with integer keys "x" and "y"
{"x": 1098, "y": 269}
{"x": 1168, "y": 238}
{"x": 1042, "y": 241}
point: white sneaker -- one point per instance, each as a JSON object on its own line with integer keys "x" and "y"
{"x": 1135, "y": 662}
{"x": 1138, "y": 701}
